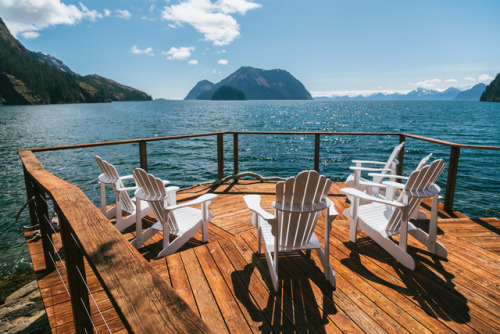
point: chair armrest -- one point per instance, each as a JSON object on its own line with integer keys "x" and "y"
{"x": 368, "y": 162}
{"x": 127, "y": 188}
{"x": 372, "y": 184}
{"x": 393, "y": 184}
{"x": 253, "y": 204}
{"x": 390, "y": 176}
{"x": 126, "y": 177}
{"x": 172, "y": 188}
{"x": 332, "y": 213}
{"x": 357, "y": 193}
{"x": 369, "y": 169}
{"x": 199, "y": 200}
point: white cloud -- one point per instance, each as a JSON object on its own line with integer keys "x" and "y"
{"x": 107, "y": 12}
{"x": 470, "y": 79}
{"x": 212, "y": 19}
{"x": 192, "y": 62}
{"x": 451, "y": 81}
{"x": 28, "y": 17}
{"x": 92, "y": 15}
{"x": 181, "y": 53}
{"x": 485, "y": 77}
{"x": 222, "y": 61}
{"x": 137, "y": 51}
{"x": 123, "y": 14}
{"x": 428, "y": 83}
{"x": 30, "y": 34}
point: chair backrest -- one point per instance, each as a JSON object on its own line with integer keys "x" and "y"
{"x": 423, "y": 162}
{"x": 391, "y": 162}
{"x": 110, "y": 175}
{"x": 152, "y": 190}
{"x": 420, "y": 183}
{"x": 299, "y": 201}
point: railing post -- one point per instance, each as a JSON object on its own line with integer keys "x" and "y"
{"x": 75, "y": 270}
{"x": 236, "y": 168}
{"x": 39, "y": 215}
{"x": 220, "y": 156}
{"x": 316, "y": 152}
{"x": 143, "y": 155}
{"x": 401, "y": 156}
{"x": 452, "y": 178}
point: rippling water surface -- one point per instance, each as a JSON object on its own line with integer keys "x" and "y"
{"x": 189, "y": 161}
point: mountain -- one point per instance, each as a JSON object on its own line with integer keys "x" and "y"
{"x": 114, "y": 90}
{"x": 472, "y": 94}
{"x": 28, "y": 77}
{"x": 492, "y": 91}
{"x": 201, "y": 87}
{"x": 257, "y": 84}
{"x": 419, "y": 94}
{"x": 51, "y": 60}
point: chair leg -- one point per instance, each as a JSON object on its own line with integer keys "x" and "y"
{"x": 327, "y": 268}
{"x": 354, "y": 219}
{"x": 273, "y": 268}
{"x": 204, "y": 230}
{"x": 118, "y": 208}
{"x": 103, "y": 198}
{"x": 434, "y": 247}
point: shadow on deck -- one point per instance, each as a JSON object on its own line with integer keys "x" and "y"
{"x": 229, "y": 285}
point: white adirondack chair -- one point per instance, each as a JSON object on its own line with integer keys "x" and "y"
{"x": 418, "y": 214}
{"x": 298, "y": 204}
{"x": 124, "y": 204}
{"x": 383, "y": 218}
{"x": 180, "y": 220}
{"x": 356, "y": 181}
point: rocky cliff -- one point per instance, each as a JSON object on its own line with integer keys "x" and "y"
{"x": 492, "y": 91}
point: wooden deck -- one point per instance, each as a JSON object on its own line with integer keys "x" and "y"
{"x": 229, "y": 286}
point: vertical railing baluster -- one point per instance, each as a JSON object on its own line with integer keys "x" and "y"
{"x": 42, "y": 209}
{"x": 401, "y": 156}
{"x": 236, "y": 168}
{"x": 143, "y": 155}
{"x": 452, "y": 178}
{"x": 220, "y": 156}
{"x": 39, "y": 213}
{"x": 316, "y": 152}
{"x": 75, "y": 270}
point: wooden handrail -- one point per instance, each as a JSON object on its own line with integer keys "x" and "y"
{"x": 143, "y": 300}
{"x": 139, "y": 140}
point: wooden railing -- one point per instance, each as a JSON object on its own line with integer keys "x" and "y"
{"x": 144, "y": 302}
{"x": 142, "y": 299}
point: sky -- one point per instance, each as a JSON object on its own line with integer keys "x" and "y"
{"x": 334, "y": 47}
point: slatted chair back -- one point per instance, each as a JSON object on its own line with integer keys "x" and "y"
{"x": 299, "y": 201}
{"x": 390, "y": 162}
{"x": 110, "y": 176}
{"x": 420, "y": 183}
{"x": 153, "y": 191}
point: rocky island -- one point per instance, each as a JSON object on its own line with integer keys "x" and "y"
{"x": 256, "y": 84}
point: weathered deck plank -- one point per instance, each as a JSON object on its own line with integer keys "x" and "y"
{"x": 229, "y": 286}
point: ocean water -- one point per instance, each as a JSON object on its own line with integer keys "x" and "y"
{"x": 189, "y": 161}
